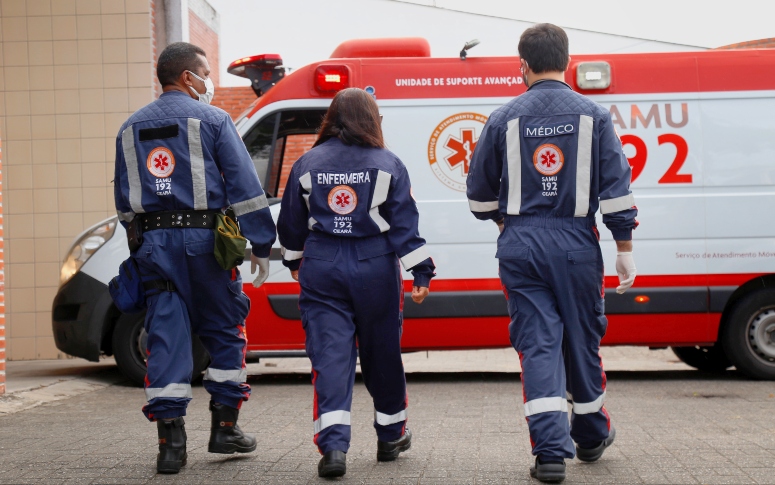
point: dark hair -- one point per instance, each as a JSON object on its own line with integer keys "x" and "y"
{"x": 176, "y": 58}
{"x": 545, "y": 48}
{"x": 353, "y": 117}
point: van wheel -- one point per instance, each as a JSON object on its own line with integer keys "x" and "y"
{"x": 706, "y": 359}
{"x": 749, "y": 334}
{"x": 129, "y": 344}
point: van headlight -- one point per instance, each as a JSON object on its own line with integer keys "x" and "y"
{"x": 87, "y": 244}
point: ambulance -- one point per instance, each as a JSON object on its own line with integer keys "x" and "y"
{"x": 697, "y": 128}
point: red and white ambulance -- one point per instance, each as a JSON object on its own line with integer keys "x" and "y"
{"x": 698, "y": 129}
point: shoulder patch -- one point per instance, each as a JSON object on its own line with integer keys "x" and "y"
{"x": 161, "y": 162}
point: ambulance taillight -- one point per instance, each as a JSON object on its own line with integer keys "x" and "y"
{"x": 331, "y": 79}
{"x": 593, "y": 75}
{"x": 263, "y": 70}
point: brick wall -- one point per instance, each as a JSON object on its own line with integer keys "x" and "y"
{"x": 206, "y": 38}
{"x": 234, "y": 100}
{"x": 752, "y": 44}
{"x": 295, "y": 147}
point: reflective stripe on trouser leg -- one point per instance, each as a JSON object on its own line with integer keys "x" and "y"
{"x": 379, "y": 342}
{"x": 167, "y": 380}
{"x": 329, "y": 328}
{"x": 536, "y": 332}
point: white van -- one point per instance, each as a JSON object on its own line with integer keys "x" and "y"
{"x": 701, "y": 144}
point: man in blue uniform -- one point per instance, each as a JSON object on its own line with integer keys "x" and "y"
{"x": 544, "y": 164}
{"x": 348, "y": 213}
{"x": 179, "y": 163}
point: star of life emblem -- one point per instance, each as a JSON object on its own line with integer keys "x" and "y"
{"x": 451, "y": 147}
{"x": 342, "y": 199}
{"x": 548, "y": 159}
{"x": 161, "y": 162}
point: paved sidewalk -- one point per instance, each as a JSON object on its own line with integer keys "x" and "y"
{"x": 673, "y": 427}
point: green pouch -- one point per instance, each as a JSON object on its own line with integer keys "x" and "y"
{"x": 229, "y": 244}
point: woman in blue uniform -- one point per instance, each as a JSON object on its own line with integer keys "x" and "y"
{"x": 346, "y": 222}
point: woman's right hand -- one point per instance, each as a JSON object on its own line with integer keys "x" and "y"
{"x": 295, "y": 275}
{"x": 419, "y": 293}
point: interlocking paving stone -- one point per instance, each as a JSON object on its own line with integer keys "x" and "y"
{"x": 672, "y": 427}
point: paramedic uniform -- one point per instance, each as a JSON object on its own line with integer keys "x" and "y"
{"x": 347, "y": 219}
{"x": 544, "y": 164}
{"x": 178, "y": 154}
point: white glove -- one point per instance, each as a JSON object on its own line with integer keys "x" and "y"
{"x": 625, "y": 268}
{"x": 263, "y": 269}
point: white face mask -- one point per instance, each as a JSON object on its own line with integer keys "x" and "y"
{"x": 209, "y": 89}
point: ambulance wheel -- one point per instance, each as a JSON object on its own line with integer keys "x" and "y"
{"x": 706, "y": 359}
{"x": 129, "y": 344}
{"x": 748, "y": 335}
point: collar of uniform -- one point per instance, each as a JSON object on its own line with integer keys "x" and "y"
{"x": 173, "y": 93}
{"x": 549, "y": 84}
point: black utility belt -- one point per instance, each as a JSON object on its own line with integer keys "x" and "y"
{"x": 182, "y": 219}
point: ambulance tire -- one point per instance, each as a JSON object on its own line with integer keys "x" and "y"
{"x": 129, "y": 349}
{"x": 706, "y": 359}
{"x": 748, "y": 334}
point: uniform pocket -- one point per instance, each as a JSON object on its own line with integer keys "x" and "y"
{"x": 583, "y": 256}
{"x": 144, "y": 251}
{"x": 515, "y": 252}
{"x": 373, "y": 248}
{"x": 197, "y": 248}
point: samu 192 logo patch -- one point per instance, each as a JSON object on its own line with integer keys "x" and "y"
{"x": 548, "y": 159}
{"x": 342, "y": 199}
{"x": 161, "y": 162}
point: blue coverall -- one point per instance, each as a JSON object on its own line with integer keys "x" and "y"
{"x": 180, "y": 154}
{"x": 544, "y": 164}
{"x": 347, "y": 218}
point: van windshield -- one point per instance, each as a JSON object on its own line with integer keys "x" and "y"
{"x": 277, "y": 141}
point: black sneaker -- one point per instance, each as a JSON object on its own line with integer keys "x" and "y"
{"x": 333, "y": 464}
{"x": 389, "y": 450}
{"x": 549, "y": 472}
{"x": 594, "y": 454}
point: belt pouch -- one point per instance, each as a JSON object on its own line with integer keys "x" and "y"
{"x": 229, "y": 243}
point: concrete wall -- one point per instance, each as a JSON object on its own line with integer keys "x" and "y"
{"x": 71, "y": 72}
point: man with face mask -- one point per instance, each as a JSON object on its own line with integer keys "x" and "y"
{"x": 180, "y": 164}
{"x": 545, "y": 163}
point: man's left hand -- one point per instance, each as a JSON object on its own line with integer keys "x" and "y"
{"x": 419, "y": 293}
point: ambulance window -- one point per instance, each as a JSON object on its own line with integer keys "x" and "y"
{"x": 277, "y": 141}
{"x": 296, "y": 134}
{"x": 259, "y": 144}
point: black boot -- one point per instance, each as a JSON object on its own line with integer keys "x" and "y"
{"x": 333, "y": 464}
{"x": 225, "y": 436}
{"x": 594, "y": 453}
{"x": 551, "y": 471}
{"x": 389, "y": 450}
{"x": 172, "y": 445}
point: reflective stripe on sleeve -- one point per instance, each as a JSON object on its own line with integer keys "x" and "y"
{"x": 477, "y": 206}
{"x": 311, "y": 222}
{"x": 514, "y": 159}
{"x": 250, "y": 205}
{"x": 381, "y": 188}
{"x": 388, "y": 419}
{"x": 170, "y": 390}
{"x": 198, "y": 179}
{"x": 306, "y": 183}
{"x": 546, "y": 405}
{"x": 589, "y": 407}
{"x": 618, "y": 204}
{"x": 220, "y": 375}
{"x": 329, "y": 419}
{"x": 125, "y": 216}
{"x": 415, "y": 257}
{"x": 289, "y": 255}
{"x": 132, "y": 170}
{"x": 583, "y": 166}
